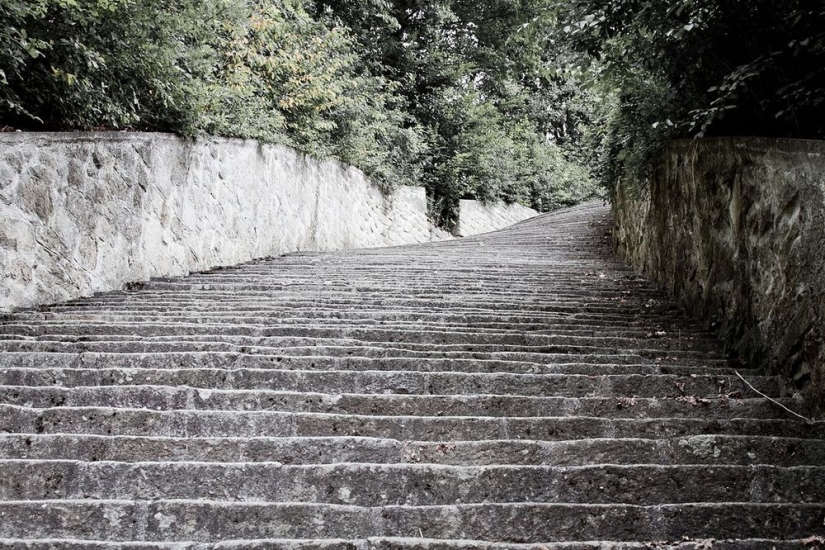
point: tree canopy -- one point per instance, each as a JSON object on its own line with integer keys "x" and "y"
{"x": 535, "y": 101}
{"x": 694, "y": 68}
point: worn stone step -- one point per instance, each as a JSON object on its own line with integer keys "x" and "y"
{"x": 585, "y": 283}
{"x": 336, "y": 317}
{"x": 212, "y": 521}
{"x": 276, "y": 314}
{"x": 345, "y": 355}
{"x": 411, "y": 543}
{"x": 412, "y": 333}
{"x": 606, "y": 315}
{"x": 268, "y": 544}
{"x": 558, "y": 298}
{"x": 387, "y": 267}
{"x": 414, "y": 270}
{"x": 398, "y": 340}
{"x": 653, "y": 310}
{"x": 410, "y": 484}
{"x": 523, "y": 306}
{"x": 689, "y": 544}
{"x": 691, "y": 449}
{"x": 591, "y": 365}
{"x": 181, "y": 423}
{"x": 557, "y": 328}
{"x": 539, "y": 303}
{"x": 401, "y": 382}
{"x": 309, "y": 313}
{"x": 538, "y": 354}
{"x": 340, "y": 347}
{"x": 189, "y": 398}
{"x": 397, "y": 268}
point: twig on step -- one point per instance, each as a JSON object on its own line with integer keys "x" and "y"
{"x": 774, "y": 401}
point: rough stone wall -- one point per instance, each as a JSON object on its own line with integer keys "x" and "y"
{"x": 735, "y": 229}
{"x": 88, "y": 212}
{"x": 475, "y": 217}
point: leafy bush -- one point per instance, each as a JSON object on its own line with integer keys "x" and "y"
{"x": 87, "y": 63}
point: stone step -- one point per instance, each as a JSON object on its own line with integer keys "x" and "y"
{"x": 295, "y": 324}
{"x": 408, "y": 543}
{"x": 189, "y": 398}
{"x": 400, "y": 267}
{"x": 606, "y": 314}
{"x": 409, "y": 484}
{"x": 186, "y": 423}
{"x": 586, "y": 282}
{"x": 621, "y": 298}
{"x": 333, "y": 318}
{"x": 401, "y": 382}
{"x": 353, "y": 355}
{"x": 275, "y": 314}
{"x": 212, "y": 521}
{"x": 686, "y": 543}
{"x": 364, "y": 271}
{"x": 324, "y": 313}
{"x": 268, "y": 544}
{"x": 352, "y": 328}
{"x": 651, "y": 309}
{"x": 591, "y": 365}
{"x": 493, "y": 283}
{"x": 532, "y": 302}
{"x": 690, "y": 449}
{"x": 180, "y": 344}
{"x": 302, "y": 336}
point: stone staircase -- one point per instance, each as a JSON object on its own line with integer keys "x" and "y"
{"x": 519, "y": 389}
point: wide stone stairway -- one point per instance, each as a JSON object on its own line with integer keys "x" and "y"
{"x": 519, "y": 389}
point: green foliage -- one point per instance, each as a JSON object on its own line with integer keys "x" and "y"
{"x": 86, "y": 63}
{"x": 480, "y": 78}
{"x": 489, "y": 158}
{"x": 375, "y": 134}
{"x": 264, "y": 69}
{"x": 552, "y": 180}
{"x": 462, "y": 97}
{"x": 700, "y": 67}
{"x": 482, "y": 161}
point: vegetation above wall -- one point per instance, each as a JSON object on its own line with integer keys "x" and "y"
{"x": 250, "y": 69}
{"x": 459, "y": 96}
{"x": 532, "y": 101}
{"x": 693, "y": 68}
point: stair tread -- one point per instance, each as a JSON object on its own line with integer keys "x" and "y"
{"x": 519, "y": 389}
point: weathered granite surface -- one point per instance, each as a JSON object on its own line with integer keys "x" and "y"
{"x": 735, "y": 229}
{"x": 475, "y": 217}
{"x": 88, "y": 212}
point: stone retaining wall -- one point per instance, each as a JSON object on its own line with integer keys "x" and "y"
{"x": 735, "y": 230}
{"x": 88, "y": 212}
{"x": 475, "y": 217}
